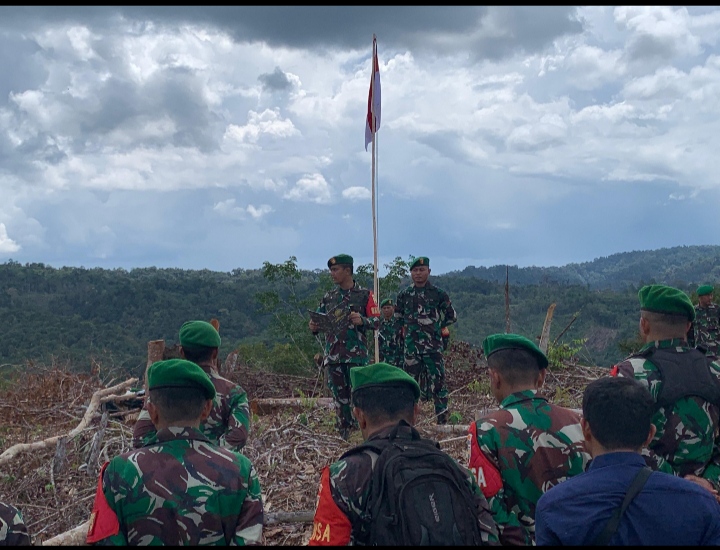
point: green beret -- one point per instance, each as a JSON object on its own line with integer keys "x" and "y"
{"x": 496, "y": 342}
{"x": 381, "y": 374}
{"x": 422, "y": 260}
{"x": 179, "y": 373}
{"x": 704, "y": 290}
{"x": 386, "y": 302}
{"x": 666, "y": 299}
{"x": 340, "y": 259}
{"x": 199, "y": 333}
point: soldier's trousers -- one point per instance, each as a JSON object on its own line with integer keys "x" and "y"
{"x": 339, "y": 384}
{"x": 428, "y": 369}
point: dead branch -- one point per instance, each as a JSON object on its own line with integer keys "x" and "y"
{"x": 73, "y": 537}
{"x": 304, "y": 516}
{"x": 15, "y": 450}
{"x": 270, "y": 405}
{"x": 545, "y": 336}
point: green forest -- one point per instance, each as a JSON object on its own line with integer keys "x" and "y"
{"x": 79, "y": 316}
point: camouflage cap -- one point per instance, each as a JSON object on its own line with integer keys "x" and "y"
{"x": 199, "y": 333}
{"x": 704, "y": 290}
{"x": 422, "y": 260}
{"x": 340, "y": 259}
{"x": 496, "y": 342}
{"x": 666, "y": 299}
{"x": 381, "y": 374}
{"x": 179, "y": 373}
{"x": 386, "y": 302}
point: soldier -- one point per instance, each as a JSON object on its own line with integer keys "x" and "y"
{"x": 685, "y": 386}
{"x": 423, "y": 313}
{"x": 385, "y": 400}
{"x": 229, "y": 421}
{"x": 181, "y": 489}
{"x": 355, "y": 316}
{"x": 705, "y": 329}
{"x": 12, "y": 527}
{"x": 528, "y": 445}
{"x": 390, "y": 341}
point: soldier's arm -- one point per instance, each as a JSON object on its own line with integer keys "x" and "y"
{"x": 331, "y": 526}
{"x": 238, "y": 426}
{"x": 712, "y": 470}
{"x": 248, "y": 531}
{"x": 448, "y": 311}
{"x": 12, "y": 527}
{"x": 488, "y": 527}
{"x": 104, "y": 529}
{"x": 691, "y": 335}
{"x": 144, "y": 430}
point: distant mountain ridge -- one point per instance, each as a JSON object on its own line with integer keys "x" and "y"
{"x": 679, "y": 266}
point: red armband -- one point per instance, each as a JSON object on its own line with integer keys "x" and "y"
{"x": 103, "y": 520}
{"x": 614, "y": 370}
{"x": 487, "y": 475}
{"x": 330, "y": 526}
{"x": 371, "y": 310}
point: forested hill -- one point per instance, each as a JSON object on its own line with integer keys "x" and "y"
{"x": 678, "y": 265}
{"x": 108, "y": 316}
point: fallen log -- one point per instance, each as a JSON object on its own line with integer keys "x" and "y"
{"x": 19, "y": 448}
{"x": 76, "y": 535}
{"x": 270, "y": 405}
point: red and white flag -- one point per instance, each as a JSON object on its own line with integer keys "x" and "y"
{"x": 373, "y": 99}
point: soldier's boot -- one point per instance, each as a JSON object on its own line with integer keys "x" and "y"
{"x": 442, "y": 417}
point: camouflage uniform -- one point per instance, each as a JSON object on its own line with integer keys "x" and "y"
{"x": 706, "y": 329}
{"x": 182, "y": 490}
{"x": 390, "y": 343}
{"x": 229, "y": 421}
{"x": 421, "y": 314}
{"x": 12, "y": 527}
{"x": 519, "y": 452}
{"x": 347, "y": 347}
{"x": 345, "y": 489}
{"x": 687, "y": 433}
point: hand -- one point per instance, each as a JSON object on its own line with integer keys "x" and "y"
{"x": 356, "y": 318}
{"x": 703, "y": 483}
{"x": 313, "y": 326}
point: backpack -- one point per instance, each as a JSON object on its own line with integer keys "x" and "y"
{"x": 419, "y": 496}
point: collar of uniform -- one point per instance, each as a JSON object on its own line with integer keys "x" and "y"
{"x": 520, "y": 396}
{"x": 173, "y": 433}
{"x": 663, "y": 344}
{"x": 617, "y": 458}
{"x": 354, "y": 287}
{"x": 405, "y": 432}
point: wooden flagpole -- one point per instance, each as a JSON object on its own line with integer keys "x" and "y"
{"x": 376, "y": 285}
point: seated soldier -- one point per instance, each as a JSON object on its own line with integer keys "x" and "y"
{"x": 181, "y": 490}
{"x": 665, "y": 511}
{"x": 385, "y": 400}
{"x": 229, "y": 420}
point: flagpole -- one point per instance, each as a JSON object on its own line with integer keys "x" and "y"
{"x": 373, "y": 128}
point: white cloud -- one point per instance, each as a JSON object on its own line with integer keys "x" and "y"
{"x": 268, "y": 123}
{"x": 7, "y": 245}
{"x": 357, "y": 193}
{"x": 229, "y": 209}
{"x": 311, "y": 188}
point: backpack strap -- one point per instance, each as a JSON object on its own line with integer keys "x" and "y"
{"x": 612, "y": 526}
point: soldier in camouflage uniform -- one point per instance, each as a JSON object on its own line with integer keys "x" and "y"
{"x": 422, "y": 314}
{"x": 390, "y": 340}
{"x": 355, "y": 316}
{"x": 685, "y": 385}
{"x": 12, "y": 527}
{"x": 392, "y": 395}
{"x": 229, "y": 421}
{"x": 182, "y": 489}
{"x": 528, "y": 445}
{"x": 705, "y": 329}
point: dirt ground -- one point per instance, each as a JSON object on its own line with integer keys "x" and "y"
{"x": 54, "y": 486}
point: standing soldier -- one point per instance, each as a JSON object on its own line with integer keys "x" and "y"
{"x": 354, "y": 315}
{"x": 528, "y": 445}
{"x": 229, "y": 421}
{"x": 390, "y": 341}
{"x": 705, "y": 330}
{"x": 182, "y": 489}
{"x": 685, "y": 384}
{"x": 423, "y": 313}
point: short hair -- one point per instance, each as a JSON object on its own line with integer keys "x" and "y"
{"x": 197, "y": 354}
{"x": 619, "y": 412}
{"x": 178, "y": 404}
{"x": 386, "y": 402}
{"x": 517, "y": 366}
{"x": 666, "y": 322}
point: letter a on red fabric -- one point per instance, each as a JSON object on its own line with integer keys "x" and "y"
{"x": 330, "y": 527}
{"x": 103, "y": 521}
{"x": 487, "y": 475}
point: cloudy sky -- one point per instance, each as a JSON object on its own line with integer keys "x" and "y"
{"x": 223, "y": 137}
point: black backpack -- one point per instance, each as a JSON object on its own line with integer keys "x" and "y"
{"x": 419, "y": 496}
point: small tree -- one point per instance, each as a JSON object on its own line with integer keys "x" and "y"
{"x": 397, "y": 270}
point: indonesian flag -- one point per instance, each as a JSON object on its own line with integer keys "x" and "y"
{"x": 373, "y": 99}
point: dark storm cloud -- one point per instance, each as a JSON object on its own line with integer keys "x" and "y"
{"x": 507, "y": 30}
{"x": 275, "y": 81}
